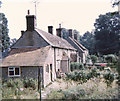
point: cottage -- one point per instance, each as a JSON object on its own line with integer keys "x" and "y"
{"x": 72, "y": 39}
{"x": 38, "y": 53}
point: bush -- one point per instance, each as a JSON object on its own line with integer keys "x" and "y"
{"x": 110, "y": 58}
{"x": 94, "y": 58}
{"x": 10, "y": 83}
{"x": 76, "y": 66}
{"x": 29, "y": 83}
{"x": 74, "y": 93}
{"x": 77, "y": 76}
{"x": 14, "y": 83}
{"x": 109, "y": 78}
{"x": 100, "y": 68}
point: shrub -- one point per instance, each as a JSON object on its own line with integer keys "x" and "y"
{"x": 76, "y": 66}
{"x": 94, "y": 58}
{"x": 109, "y": 78}
{"x": 77, "y": 76}
{"x": 100, "y": 68}
{"x": 10, "y": 83}
{"x": 29, "y": 83}
{"x": 74, "y": 93}
{"x": 14, "y": 83}
{"x": 110, "y": 58}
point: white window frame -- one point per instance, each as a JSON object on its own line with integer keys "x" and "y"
{"x": 13, "y": 71}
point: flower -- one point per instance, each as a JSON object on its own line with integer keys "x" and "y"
{"x": 21, "y": 89}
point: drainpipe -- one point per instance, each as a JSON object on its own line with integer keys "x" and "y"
{"x": 55, "y": 60}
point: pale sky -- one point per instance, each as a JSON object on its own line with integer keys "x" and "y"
{"x": 72, "y": 14}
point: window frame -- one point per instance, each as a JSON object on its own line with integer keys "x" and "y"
{"x": 13, "y": 69}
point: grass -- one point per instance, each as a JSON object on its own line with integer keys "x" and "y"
{"x": 94, "y": 88}
{"x": 89, "y": 90}
{"x": 20, "y": 89}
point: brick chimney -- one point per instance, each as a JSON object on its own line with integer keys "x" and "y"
{"x": 75, "y": 36}
{"x": 50, "y": 29}
{"x": 59, "y": 31}
{"x": 22, "y": 32}
{"x": 70, "y": 33}
{"x": 30, "y": 19}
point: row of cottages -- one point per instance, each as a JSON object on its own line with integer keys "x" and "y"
{"x": 38, "y": 53}
{"x": 72, "y": 38}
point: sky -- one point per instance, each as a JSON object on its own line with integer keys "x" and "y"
{"x": 72, "y": 14}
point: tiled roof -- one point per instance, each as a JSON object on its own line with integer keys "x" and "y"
{"x": 39, "y": 38}
{"x": 80, "y": 45}
{"x": 55, "y": 40}
{"x": 23, "y": 57}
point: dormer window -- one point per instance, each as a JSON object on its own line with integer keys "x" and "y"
{"x": 13, "y": 71}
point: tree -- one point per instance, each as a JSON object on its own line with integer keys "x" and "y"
{"x": 4, "y": 32}
{"x": 0, "y": 4}
{"x": 94, "y": 58}
{"x": 115, "y": 2}
{"x": 88, "y": 41}
{"x": 107, "y": 33}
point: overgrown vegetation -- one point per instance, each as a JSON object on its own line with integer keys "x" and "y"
{"x": 76, "y": 66}
{"x": 92, "y": 89}
{"x": 16, "y": 88}
{"x": 92, "y": 82}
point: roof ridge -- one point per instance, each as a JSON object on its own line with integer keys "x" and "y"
{"x": 56, "y": 41}
{"x": 79, "y": 44}
{"x": 75, "y": 43}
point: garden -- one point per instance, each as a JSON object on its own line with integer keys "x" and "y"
{"x": 96, "y": 81}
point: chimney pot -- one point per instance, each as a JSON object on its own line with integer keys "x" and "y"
{"x": 59, "y": 25}
{"x": 59, "y": 32}
{"x": 70, "y": 33}
{"x": 75, "y": 36}
{"x": 28, "y": 12}
{"x": 50, "y": 29}
{"x": 22, "y": 32}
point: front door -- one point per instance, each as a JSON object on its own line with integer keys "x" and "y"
{"x": 51, "y": 71}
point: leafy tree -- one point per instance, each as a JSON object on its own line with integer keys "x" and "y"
{"x": 94, "y": 58}
{"x": 107, "y": 29}
{"x": 0, "y": 4}
{"x": 115, "y": 2}
{"x": 4, "y": 32}
{"x": 88, "y": 41}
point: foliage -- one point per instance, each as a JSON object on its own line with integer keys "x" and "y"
{"x": 107, "y": 29}
{"x": 115, "y": 2}
{"x": 93, "y": 89}
{"x": 76, "y": 66}
{"x": 109, "y": 78}
{"x": 110, "y": 58}
{"x": 83, "y": 75}
{"x": 4, "y": 32}
{"x": 94, "y": 58}
{"x": 74, "y": 93}
{"x": 29, "y": 83}
{"x": 14, "y": 83}
{"x": 15, "y": 88}
{"x": 88, "y": 41}
{"x": 0, "y": 4}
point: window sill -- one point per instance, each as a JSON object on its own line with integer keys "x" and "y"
{"x": 14, "y": 76}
